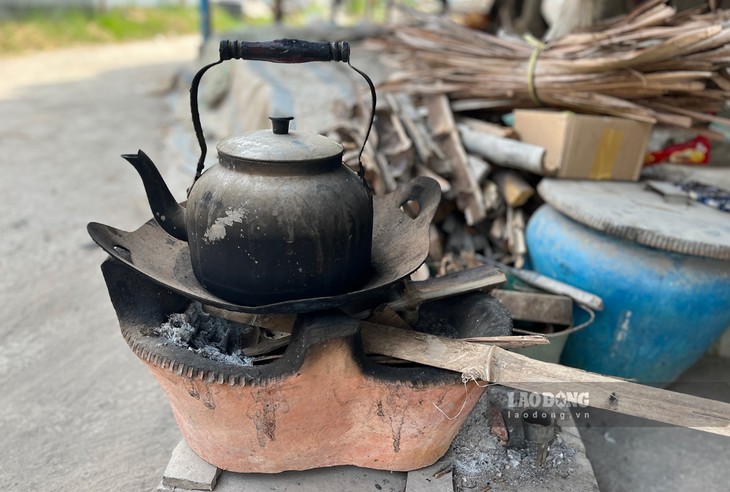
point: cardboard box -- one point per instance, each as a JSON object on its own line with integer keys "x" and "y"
{"x": 584, "y": 146}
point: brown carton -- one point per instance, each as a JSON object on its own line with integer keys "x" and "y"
{"x": 584, "y": 146}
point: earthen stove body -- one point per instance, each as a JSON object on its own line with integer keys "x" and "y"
{"x": 323, "y": 403}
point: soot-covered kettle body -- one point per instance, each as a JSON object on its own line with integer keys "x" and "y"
{"x": 280, "y": 217}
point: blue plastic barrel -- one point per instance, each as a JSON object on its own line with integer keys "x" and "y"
{"x": 662, "y": 312}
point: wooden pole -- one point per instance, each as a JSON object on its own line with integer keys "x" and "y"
{"x": 497, "y": 365}
{"x": 493, "y": 364}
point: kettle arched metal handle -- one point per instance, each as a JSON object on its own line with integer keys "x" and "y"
{"x": 277, "y": 51}
{"x": 286, "y": 51}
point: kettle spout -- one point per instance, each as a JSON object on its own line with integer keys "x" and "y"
{"x": 166, "y": 211}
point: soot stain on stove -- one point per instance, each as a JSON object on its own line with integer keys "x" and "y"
{"x": 263, "y": 413}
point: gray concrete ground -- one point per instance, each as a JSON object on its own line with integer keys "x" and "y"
{"x": 78, "y": 411}
{"x": 632, "y": 454}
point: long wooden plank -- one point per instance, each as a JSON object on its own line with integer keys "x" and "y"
{"x": 496, "y": 365}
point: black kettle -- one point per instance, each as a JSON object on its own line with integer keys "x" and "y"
{"x": 280, "y": 217}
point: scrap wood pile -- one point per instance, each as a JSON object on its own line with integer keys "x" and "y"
{"x": 653, "y": 65}
{"x": 480, "y": 212}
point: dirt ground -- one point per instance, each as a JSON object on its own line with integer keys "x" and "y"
{"x": 78, "y": 411}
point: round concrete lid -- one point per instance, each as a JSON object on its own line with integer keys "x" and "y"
{"x": 633, "y": 212}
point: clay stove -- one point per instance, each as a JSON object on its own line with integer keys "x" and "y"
{"x": 324, "y": 402}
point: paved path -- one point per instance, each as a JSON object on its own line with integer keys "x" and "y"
{"x": 78, "y": 411}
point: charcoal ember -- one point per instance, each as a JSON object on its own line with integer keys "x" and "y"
{"x": 212, "y": 337}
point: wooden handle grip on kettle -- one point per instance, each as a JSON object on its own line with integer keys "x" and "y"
{"x": 285, "y": 51}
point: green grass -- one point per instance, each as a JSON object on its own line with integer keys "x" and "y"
{"x": 50, "y": 29}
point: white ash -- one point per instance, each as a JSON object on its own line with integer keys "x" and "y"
{"x": 177, "y": 329}
{"x": 481, "y": 463}
{"x": 214, "y": 338}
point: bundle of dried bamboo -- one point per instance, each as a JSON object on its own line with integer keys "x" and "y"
{"x": 653, "y": 65}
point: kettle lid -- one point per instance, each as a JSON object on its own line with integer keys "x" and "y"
{"x": 279, "y": 145}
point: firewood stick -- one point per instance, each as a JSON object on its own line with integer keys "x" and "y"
{"x": 493, "y": 201}
{"x": 497, "y": 365}
{"x": 386, "y": 174}
{"x": 515, "y": 190}
{"x": 444, "y": 183}
{"x": 516, "y": 238}
{"x": 503, "y": 151}
{"x": 478, "y": 167}
{"x": 440, "y": 120}
{"x": 471, "y": 279}
{"x": 403, "y": 107}
{"x": 694, "y": 114}
{"x": 549, "y": 284}
{"x": 266, "y": 347}
{"x": 536, "y": 307}
{"x": 486, "y": 127}
{"x": 469, "y": 194}
{"x": 385, "y": 315}
{"x": 511, "y": 341}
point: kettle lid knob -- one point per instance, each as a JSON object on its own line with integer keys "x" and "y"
{"x": 280, "y": 124}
